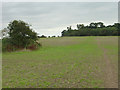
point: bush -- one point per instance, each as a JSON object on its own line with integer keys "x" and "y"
{"x": 33, "y": 46}
{"x": 7, "y": 46}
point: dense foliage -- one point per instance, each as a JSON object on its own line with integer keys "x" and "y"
{"x": 94, "y": 29}
{"x": 20, "y": 36}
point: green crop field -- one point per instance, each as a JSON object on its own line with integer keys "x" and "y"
{"x": 64, "y": 62}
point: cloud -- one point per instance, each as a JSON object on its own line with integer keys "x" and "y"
{"x": 51, "y": 18}
{"x": 61, "y": 0}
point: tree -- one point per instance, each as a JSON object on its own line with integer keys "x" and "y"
{"x": 93, "y": 25}
{"x": 79, "y": 26}
{"x": 117, "y": 25}
{"x": 43, "y": 36}
{"x": 100, "y": 24}
{"x": 96, "y": 25}
{"x": 69, "y": 28}
{"x": 21, "y": 34}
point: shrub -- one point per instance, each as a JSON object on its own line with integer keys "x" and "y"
{"x": 7, "y": 46}
{"x": 33, "y": 46}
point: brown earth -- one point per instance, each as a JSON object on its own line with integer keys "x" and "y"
{"x": 110, "y": 78}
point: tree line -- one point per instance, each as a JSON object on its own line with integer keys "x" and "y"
{"x": 93, "y": 29}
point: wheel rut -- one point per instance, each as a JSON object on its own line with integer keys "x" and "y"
{"x": 110, "y": 78}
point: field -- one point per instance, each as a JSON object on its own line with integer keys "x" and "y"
{"x": 64, "y": 62}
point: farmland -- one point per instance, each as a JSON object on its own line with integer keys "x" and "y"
{"x": 64, "y": 62}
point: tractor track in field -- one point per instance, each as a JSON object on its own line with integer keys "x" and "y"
{"x": 109, "y": 77}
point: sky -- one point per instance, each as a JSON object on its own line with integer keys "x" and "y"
{"x": 51, "y": 18}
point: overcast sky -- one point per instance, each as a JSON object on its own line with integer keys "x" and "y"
{"x": 49, "y": 18}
